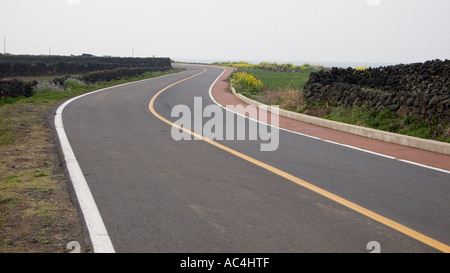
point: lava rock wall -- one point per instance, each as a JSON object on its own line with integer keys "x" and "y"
{"x": 420, "y": 90}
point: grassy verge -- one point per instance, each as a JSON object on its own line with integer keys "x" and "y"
{"x": 274, "y": 80}
{"x": 390, "y": 122}
{"x": 285, "y": 89}
{"x": 37, "y": 213}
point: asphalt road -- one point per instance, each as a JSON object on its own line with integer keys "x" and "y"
{"x": 156, "y": 194}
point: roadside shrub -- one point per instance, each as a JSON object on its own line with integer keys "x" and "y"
{"x": 48, "y": 87}
{"x": 16, "y": 88}
{"x": 115, "y": 74}
{"x": 72, "y": 83}
{"x": 247, "y": 83}
{"x": 60, "y": 80}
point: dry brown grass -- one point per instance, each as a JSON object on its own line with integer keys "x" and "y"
{"x": 286, "y": 99}
{"x": 36, "y": 211}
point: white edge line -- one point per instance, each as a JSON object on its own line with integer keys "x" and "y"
{"x": 325, "y": 140}
{"x": 100, "y": 239}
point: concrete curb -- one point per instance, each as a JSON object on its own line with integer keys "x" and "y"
{"x": 424, "y": 144}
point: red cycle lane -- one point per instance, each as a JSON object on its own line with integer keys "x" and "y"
{"x": 223, "y": 96}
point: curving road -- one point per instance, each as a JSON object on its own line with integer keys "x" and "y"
{"x": 156, "y": 194}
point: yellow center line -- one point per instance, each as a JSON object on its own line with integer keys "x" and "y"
{"x": 381, "y": 219}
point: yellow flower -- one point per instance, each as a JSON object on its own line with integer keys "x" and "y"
{"x": 248, "y": 82}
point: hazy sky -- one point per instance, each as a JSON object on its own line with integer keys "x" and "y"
{"x": 386, "y": 31}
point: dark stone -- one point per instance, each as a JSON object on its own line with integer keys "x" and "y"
{"x": 420, "y": 89}
{"x": 434, "y": 100}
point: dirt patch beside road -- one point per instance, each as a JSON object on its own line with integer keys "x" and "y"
{"x": 38, "y": 213}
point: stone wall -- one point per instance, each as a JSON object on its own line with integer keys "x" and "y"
{"x": 30, "y": 65}
{"x": 420, "y": 90}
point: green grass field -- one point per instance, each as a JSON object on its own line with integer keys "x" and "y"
{"x": 275, "y": 80}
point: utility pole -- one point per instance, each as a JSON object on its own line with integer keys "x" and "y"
{"x": 4, "y": 44}
{"x": 132, "y": 52}
{"x": 49, "y": 51}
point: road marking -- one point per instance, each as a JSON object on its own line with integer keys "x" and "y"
{"x": 99, "y": 236}
{"x": 94, "y": 222}
{"x": 383, "y": 220}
